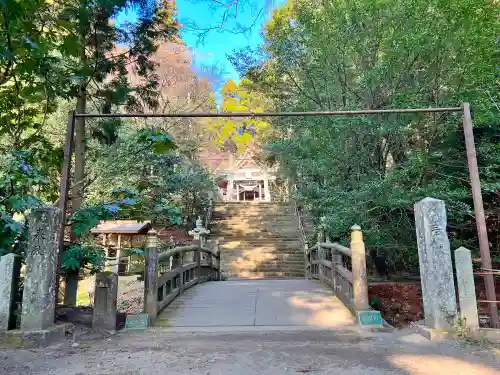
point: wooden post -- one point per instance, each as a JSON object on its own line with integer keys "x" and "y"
{"x": 69, "y": 145}
{"x": 217, "y": 258}
{"x": 181, "y": 275}
{"x": 321, "y": 236}
{"x": 267, "y": 194}
{"x": 198, "y": 260}
{"x": 359, "y": 278}
{"x": 211, "y": 272}
{"x": 151, "y": 277}
{"x": 482, "y": 232}
{"x": 307, "y": 273}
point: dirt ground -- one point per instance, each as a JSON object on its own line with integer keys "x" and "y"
{"x": 254, "y": 353}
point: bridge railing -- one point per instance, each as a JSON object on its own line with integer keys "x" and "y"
{"x": 342, "y": 268}
{"x": 191, "y": 265}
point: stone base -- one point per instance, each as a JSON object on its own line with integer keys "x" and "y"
{"x": 491, "y": 335}
{"x": 435, "y": 334}
{"x": 34, "y": 339}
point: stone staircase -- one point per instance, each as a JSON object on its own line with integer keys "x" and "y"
{"x": 258, "y": 240}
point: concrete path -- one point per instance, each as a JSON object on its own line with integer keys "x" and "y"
{"x": 259, "y": 303}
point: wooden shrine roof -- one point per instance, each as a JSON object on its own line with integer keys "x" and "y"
{"x": 130, "y": 227}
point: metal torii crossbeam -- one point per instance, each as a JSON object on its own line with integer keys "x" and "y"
{"x": 469, "y": 143}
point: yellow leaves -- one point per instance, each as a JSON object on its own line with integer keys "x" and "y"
{"x": 241, "y": 132}
{"x": 230, "y": 105}
{"x": 229, "y": 88}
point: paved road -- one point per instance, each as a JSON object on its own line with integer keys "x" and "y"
{"x": 260, "y": 303}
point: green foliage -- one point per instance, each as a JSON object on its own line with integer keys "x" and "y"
{"x": 145, "y": 176}
{"x": 76, "y": 257}
{"x": 370, "y": 170}
{"x": 19, "y": 182}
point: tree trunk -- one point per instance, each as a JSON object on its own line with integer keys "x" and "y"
{"x": 71, "y": 288}
{"x": 71, "y": 285}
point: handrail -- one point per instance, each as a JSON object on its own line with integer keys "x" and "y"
{"x": 338, "y": 247}
{"x": 329, "y": 262}
{"x": 176, "y": 250}
{"x": 161, "y": 288}
{"x": 164, "y": 256}
{"x": 314, "y": 247}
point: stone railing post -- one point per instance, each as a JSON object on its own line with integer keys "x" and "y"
{"x": 181, "y": 275}
{"x": 198, "y": 234}
{"x": 466, "y": 288}
{"x": 436, "y": 271}
{"x": 217, "y": 251}
{"x": 10, "y": 271}
{"x": 151, "y": 277}
{"x": 359, "y": 278}
{"x": 307, "y": 273}
{"x": 39, "y": 301}
{"x": 105, "y": 300}
{"x": 321, "y": 238}
{"x": 336, "y": 260}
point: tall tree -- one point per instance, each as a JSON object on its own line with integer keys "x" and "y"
{"x": 104, "y": 51}
{"x": 383, "y": 54}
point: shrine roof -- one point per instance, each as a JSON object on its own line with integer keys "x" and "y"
{"x": 122, "y": 227}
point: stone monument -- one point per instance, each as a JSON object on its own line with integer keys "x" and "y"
{"x": 10, "y": 269}
{"x": 466, "y": 288}
{"x": 105, "y": 299}
{"x": 38, "y": 309}
{"x": 436, "y": 271}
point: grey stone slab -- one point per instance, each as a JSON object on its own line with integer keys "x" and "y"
{"x": 10, "y": 268}
{"x": 466, "y": 288}
{"x": 436, "y": 271}
{"x": 41, "y": 265}
{"x": 105, "y": 300}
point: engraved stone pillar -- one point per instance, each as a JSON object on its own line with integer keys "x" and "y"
{"x": 436, "y": 272}
{"x": 41, "y": 265}
{"x": 10, "y": 269}
{"x": 105, "y": 298}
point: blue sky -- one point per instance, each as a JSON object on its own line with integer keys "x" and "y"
{"x": 211, "y": 48}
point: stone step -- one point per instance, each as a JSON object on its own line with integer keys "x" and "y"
{"x": 240, "y": 270}
{"x": 277, "y": 255}
{"x": 252, "y": 211}
{"x": 253, "y": 206}
{"x": 256, "y": 237}
{"x": 254, "y": 220}
{"x": 260, "y": 225}
{"x": 259, "y": 247}
{"x": 274, "y": 266}
{"x": 261, "y": 275}
{"x": 281, "y": 259}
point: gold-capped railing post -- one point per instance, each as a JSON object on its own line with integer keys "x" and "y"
{"x": 359, "y": 277}
{"x": 151, "y": 276}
